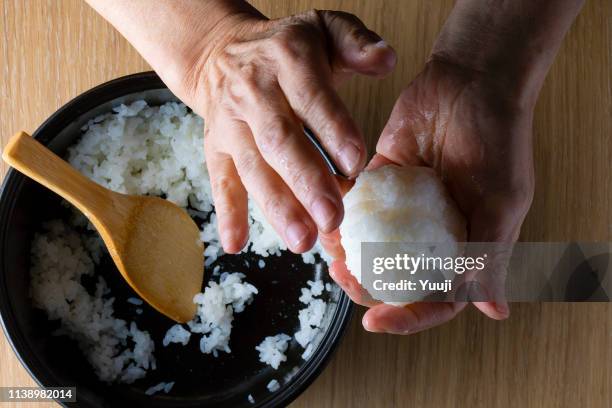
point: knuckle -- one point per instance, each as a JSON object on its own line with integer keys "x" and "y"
{"x": 301, "y": 179}
{"x": 248, "y": 70}
{"x": 221, "y": 186}
{"x": 247, "y": 74}
{"x": 344, "y": 18}
{"x": 247, "y": 164}
{"x": 248, "y": 86}
{"x": 273, "y": 206}
{"x": 284, "y": 45}
{"x": 520, "y": 197}
{"x": 223, "y": 63}
{"x": 294, "y": 42}
{"x": 309, "y": 100}
{"x": 276, "y": 134}
{"x": 244, "y": 87}
{"x": 227, "y": 210}
{"x": 351, "y": 19}
{"x": 236, "y": 80}
{"x": 311, "y": 15}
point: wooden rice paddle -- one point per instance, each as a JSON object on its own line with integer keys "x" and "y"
{"x": 154, "y": 243}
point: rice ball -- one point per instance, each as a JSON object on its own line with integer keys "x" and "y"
{"x": 398, "y": 204}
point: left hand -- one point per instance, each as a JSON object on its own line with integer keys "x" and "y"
{"x": 466, "y": 126}
{"x": 257, "y": 84}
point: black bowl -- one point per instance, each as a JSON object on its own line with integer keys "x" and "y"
{"x": 201, "y": 380}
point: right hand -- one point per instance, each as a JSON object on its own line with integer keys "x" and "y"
{"x": 256, "y": 83}
{"x": 473, "y": 132}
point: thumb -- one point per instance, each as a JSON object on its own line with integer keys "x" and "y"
{"x": 496, "y": 220}
{"x": 398, "y": 142}
{"x": 356, "y": 48}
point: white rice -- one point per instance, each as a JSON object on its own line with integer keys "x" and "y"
{"x": 272, "y": 350}
{"x": 310, "y": 317}
{"x": 176, "y": 334}
{"x": 289, "y": 376}
{"x": 250, "y": 399}
{"x": 215, "y": 313}
{"x": 138, "y": 149}
{"x": 263, "y": 239}
{"x": 162, "y": 386}
{"x": 314, "y": 289}
{"x": 159, "y": 150}
{"x": 59, "y": 260}
{"x": 273, "y": 386}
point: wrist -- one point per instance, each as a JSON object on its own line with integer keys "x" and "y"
{"x": 186, "y": 59}
{"x": 518, "y": 81}
{"x": 511, "y": 45}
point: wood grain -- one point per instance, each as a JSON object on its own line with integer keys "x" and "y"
{"x": 545, "y": 355}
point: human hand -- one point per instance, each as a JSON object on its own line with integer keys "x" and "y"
{"x": 468, "y": 115}
{"x": 257, "y": 82}
{"x": 464, "y": 125}
{"x": 256, "y": 86}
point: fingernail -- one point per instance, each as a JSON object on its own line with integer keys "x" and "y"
{"x": 381, "y": 44}
{"x": 399, "y": 326}
{"x": 367, "y": 323}
{"x": 324, "y": 213}
{"x": 389, "y": 57}
{"x": 227, "y": 240}
{"x": 374, "y": 45}
{"x": 238, "y": 239}
{"x": 297, "y": 232}
{"x": 502, "y": 308}
{"x": 349, "y": 157}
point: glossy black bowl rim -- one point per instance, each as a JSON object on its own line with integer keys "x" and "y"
{"x": 11, "y": 186}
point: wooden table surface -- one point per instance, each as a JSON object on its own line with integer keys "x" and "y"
{"x": 545, "y": 355}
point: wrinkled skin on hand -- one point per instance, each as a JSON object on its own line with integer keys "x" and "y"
{"x": 460, "y": 123}
{"x": 257, "y": 85}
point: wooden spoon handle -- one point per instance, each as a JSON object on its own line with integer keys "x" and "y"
{"x": 34, "y": 160}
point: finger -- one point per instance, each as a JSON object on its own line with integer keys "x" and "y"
{"x": 310, "y": 93}
{"x": 332, "y": 245}
{"x": 331, "y": 240}
{"x": 355, "y": 48}
{"x": 487, "y": 287}
{"x": 341, "y": 275}
{"x": 494, "y": 310}
{"x": 280, "y": 138}
{"x": 487, "y": 290}
{"x": 410, "y": 319}
{"x": 378, "y": 161}
{"x": 344, "y": 185}
{"x": 496, "y": 220}
{"x": 397, "y": 141}
{"x": 230, "y": 199}
{"x": 277, "y": 202}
